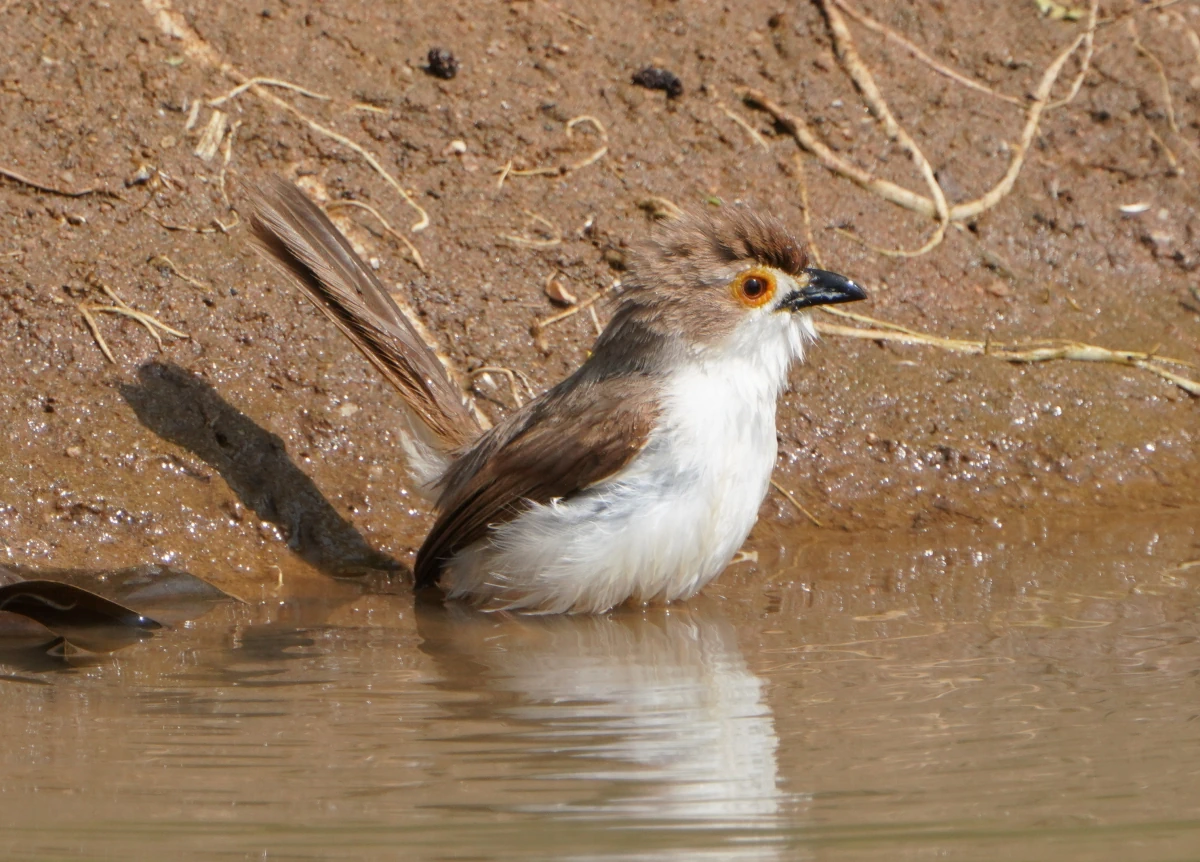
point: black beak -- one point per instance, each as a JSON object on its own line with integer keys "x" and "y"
{"x": 823, "y": 288}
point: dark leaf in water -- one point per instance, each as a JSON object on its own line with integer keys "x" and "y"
{"x": 168, "y": 595}
{"x": 84, "y": 619}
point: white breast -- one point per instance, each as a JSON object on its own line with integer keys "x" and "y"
{"x": 670, "y": 522}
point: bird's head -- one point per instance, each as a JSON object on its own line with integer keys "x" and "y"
{"x": 730, "y": 277}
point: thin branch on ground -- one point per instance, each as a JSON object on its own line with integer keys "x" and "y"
{"x": 119, "y": 307}
{"x": 865, "y": 81}
{"x": 413, "y": 252}
{"x": 1041, "y": 98}
{"x": 810, "y": 143}
{"x": 175, "y": 25}
{"x": 1161, "y": 70}
{"x": 885, "y": 31}
{"x": 808, "y": 140}
{"x": 556, "y": 235}
{"x": 211, "y": 137}
{"x": 227, "y": 153}
{"x": 882, "y": 330}
{"x": 512, "y": 374}
{"x": 810, "y": 238}
{"x": 507, "y": 170}
{"x": 267, "y": 82}
{"x": 16, "y": 177}
{"x": 1085, "y": 64}
{"x": 163, "y": 261}
{"x": 575, "y": 309}
{"x": 90, "y": 322}
{"x": 791, "y": 498}
{"x": 363, "y": 152}
{"x": 746, "y": 127}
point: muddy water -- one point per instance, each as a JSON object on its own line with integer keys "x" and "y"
{"x": 1026, "y": 690}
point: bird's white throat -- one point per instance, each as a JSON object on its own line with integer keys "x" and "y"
{"x": 673, "y": 518}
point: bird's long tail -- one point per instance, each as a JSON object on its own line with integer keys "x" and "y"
{"x": 295, "y": 235}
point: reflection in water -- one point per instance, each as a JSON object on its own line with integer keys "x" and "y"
{"x": 1016, "y": 693}
{"x": 657, "y": 710}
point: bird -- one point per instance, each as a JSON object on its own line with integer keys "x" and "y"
{"x": 637, "y": 478}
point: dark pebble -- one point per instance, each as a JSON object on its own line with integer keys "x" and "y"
{"x": 442, "y": 64}
{"x": 653, "y": 78}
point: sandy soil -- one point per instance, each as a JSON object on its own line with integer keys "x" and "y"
{"x": 263, "y": 439}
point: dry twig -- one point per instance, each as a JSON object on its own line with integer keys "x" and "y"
{"x": 791, "y": 498}
{"x": 575, "y": 309}
{"x": 227, "y": 155}
{"x": 414, "y": 253}
{"x": 810, "y": 238}
{"x": 749, "y": 129}
{"x": 892, "y": 192}
{"x": 888, "y": 33}
{"x": 166, "y": 262}
{"x": 865, "y": 81}
{"x": 210, "y": 139}
{"x": 1085, "y": 64}
{"x": 119, "y": 307}
{"x": 173, "y": 24}
{"x": 555, "y": 234}
{"x": 1162, "y": 74}
{"x": 882, "y": 330}
{"x": 363, "y": 152}
{"x": 9, "y": 173}
{"x": 507, "y": 170}
{"x": 512, "y": 375}
{"x": 266, "y": 82}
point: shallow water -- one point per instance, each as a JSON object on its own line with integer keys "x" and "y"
{"x": 1026, "y": 691}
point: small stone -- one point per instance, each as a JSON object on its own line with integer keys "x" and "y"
{"x": 143, "y": 175}
{"x": 557, "y": 292}
{"x": 442, "y": 64}
{"x": 654, "y": 78}
{"x": 74, "y": 451}
{"x": 455, "y": 148}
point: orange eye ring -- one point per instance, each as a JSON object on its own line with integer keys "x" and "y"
{"x": 754, "y": 288}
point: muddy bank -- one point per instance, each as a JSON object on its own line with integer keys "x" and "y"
{"x": 262, "y": 443}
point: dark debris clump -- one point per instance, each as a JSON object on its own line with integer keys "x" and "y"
{"x": 654, "y": 78}
{"x": 442, "y": 64}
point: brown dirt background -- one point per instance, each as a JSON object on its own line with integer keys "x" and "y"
{"x": 264, "y": 438}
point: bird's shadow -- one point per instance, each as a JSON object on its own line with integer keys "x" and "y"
{"x": 181, "y": 408}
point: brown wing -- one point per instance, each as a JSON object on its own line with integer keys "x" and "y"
{"x": 297, "y": 236}
{"x": 574, "y": 436}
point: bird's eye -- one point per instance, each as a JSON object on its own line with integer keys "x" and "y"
{"x": 754, "y": 288}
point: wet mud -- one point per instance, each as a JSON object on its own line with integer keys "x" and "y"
{"x": 262, "y": 444}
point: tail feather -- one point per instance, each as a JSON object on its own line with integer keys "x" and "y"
{"x": 298, "y": 237}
